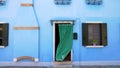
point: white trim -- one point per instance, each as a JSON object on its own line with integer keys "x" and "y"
{"x": 57, "y": 22}
{"x": 94, "y": 22}
{"x": 91, "y": 46}
{"x": 2, "y": 22}
{"x": 15, "y": 60}
{"x": 2, "y": 46}
{"x": 36, "y": 59}
{"x": 71, "y": 22}
{"x": 53, "y": 41}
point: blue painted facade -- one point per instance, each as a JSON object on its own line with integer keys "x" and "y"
{"x": 39, "y": 44}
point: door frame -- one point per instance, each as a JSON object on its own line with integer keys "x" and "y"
{"x": 54, "y": 22}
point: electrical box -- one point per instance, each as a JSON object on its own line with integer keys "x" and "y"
{"x": 4, "y": 32}
{"x": 62, "y": 2}
{"x": 2, "y": 2}
{"x": 75, "y": 36}
{"x": 94, "y": 2}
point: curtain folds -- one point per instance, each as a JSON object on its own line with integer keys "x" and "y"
{"x": 65, "y": 44}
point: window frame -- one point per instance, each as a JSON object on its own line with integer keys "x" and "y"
{"x": 4, "y": 29}
{"x": 102, "y": 44}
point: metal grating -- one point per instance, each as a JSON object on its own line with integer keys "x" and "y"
{"x": 62, "y": 2}
{"x": 2, "y": 2}
{"x": 94, "y": 2}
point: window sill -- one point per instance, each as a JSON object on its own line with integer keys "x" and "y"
{"x": 91, "y": 46}
{"x": 2, "y": 46}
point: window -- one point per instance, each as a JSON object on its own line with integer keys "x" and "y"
{"x": 94, "y": 2}
{"x": 3, "y": 34}
{"x": 94, "y": 34}
{"x": 62, "y": 2}
{"x": 2, "y": 2}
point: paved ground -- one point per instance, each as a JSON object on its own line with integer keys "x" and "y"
{"x": 53, "y": 65}
{"x": 96, "y": 66}
{"x": 109, "y": 66}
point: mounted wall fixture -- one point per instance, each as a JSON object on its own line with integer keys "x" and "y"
{"x": 26, "y": 28}
{"x": 26, "y": 4}
{"x": 25, "y": 57}
{"x": 4, "y": 30}
{"x": 2, "y": 2}
{"x": 94, "y": 2}
{"x": 62, "y": 2}
{"x": 75, "y": 36}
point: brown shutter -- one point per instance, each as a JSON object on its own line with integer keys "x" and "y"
{"x": 5, "y": 34}
{"x": 84, "y": 34}
{"x": 0, "y": 34}
{"x": 104, "y": 33}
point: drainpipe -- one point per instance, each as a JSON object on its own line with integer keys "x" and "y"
{"x": 36, "y": 17}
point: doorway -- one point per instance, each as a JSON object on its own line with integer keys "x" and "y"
{"x": 57, "y": 39}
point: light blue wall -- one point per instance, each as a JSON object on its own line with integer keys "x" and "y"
{"x": 8, "y": 15}
{"x": 80, "y": 12}
{"x": 110, "y": 52}
{"x": 26, "y": 41}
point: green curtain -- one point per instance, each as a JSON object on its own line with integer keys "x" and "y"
{"x": 65, "y": 44}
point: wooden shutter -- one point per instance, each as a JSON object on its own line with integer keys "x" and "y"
{"x": 0, "y": 35}
{"x": 84, "y": 34}
{"x": 5, "y": 29}
{"x": 104, "y": 33}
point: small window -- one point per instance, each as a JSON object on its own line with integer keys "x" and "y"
{"x": 4, "y": 29}
{"x": 2, "y": 2}
{"x": 94, "y": 2}
{"x": 62, "y": 2}
{"x": 94, "y": 34}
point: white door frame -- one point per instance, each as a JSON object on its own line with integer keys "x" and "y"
{"x": 59, "y": 22}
